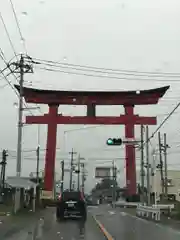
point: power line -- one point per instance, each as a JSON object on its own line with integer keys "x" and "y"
{"x": 91, "y": 159}
{"x": 9, "y": 83}
{"x": 108, "y": 69}
{"x": 105, "y": 76}
{"x": 7, "y": 33}
{"x": 162, "y": 123}
{"x": 18, "y": 25}
{"x": 106, "y": 72}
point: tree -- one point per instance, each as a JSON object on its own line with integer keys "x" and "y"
{"x": 105, "y": 183}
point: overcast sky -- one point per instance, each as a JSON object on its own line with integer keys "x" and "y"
{"x": 140, "y": 35}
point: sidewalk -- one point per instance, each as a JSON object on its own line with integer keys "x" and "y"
{"x": 14, "y": 223}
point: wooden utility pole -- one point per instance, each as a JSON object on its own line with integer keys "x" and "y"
{"x": 142, "y": 163}
{"x": 161, "y": 162}
{"x": 148, "y": 167}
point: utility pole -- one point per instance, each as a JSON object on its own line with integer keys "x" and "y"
{"x": 37, "y": 166}
{"x": 83, "y": 176}
{"x": 71, "y": 168}
{"x": 73, "y": 185}
{"x": 165, "y": 166}
{"x": 78, "y": 173}
{"x": 114, "y": 170}
{"x": 3, "y": 173}
{"x": 37, "y": 178}
{"x": 21, "y": 68}
{"x": 142, "y": 164}
{"x": 20, "y": 123}
{"x": 161, "y": 162}
{"x": 62, "y": 176}
{"x": 154, "y": 166}
{"x": 148, "y": 167}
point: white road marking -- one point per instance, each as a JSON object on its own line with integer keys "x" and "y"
{"x": 149, "y": 222}
{"x": 123, "y": 214}
{"x": 111, "y": 212}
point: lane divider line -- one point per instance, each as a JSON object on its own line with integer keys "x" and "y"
{"x": 102, "y": 228}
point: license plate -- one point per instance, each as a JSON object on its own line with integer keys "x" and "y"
{"x": 70, "y": 204}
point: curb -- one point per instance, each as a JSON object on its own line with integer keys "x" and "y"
{"x": 103, "y": 230}
{"x": 2, "y": 213}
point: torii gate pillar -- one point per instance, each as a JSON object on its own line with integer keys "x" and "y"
{"x": 51, "y": 148}
{"x": 130, "y": 154}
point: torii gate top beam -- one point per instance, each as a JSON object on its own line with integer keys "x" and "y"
{"x": 143, "y": 97}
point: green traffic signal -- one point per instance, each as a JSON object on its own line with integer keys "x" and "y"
{"x": 114, "y": 141}
{"x": 110, "y": 141}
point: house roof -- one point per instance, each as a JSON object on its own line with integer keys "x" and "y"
{"x": 20, "y": 182}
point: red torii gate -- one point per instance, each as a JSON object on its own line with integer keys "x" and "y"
{"x": 128, "y": 99}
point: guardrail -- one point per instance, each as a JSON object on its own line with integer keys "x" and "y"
{"x": 126, "y": 204}
{"x": 151, "y": 212}
{"x": 168, "y": 207}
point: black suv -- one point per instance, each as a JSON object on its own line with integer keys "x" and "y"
{"x": 70, "y": 204}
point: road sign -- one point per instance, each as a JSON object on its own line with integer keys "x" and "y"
{"x": 46, "y": 194}
{"x": 131, "y": 141}
{"x": 102, "y": 172}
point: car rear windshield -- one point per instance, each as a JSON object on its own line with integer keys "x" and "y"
{"x": 74, "y": 196}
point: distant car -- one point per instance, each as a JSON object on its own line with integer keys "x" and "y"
{"x": 71, "y": 204}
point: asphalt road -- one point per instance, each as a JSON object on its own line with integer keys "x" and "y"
{"x": 47, "y": 227}
{"x": 124, "y": 226}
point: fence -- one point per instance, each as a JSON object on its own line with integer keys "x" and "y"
{"x": 150, "y": 212}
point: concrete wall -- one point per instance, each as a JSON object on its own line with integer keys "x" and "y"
{"x": 173, "y": 180}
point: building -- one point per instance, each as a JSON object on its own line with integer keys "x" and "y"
{"x": 173, "y": 183}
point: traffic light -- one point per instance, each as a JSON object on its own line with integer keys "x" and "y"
{"x": 114, "y": 141}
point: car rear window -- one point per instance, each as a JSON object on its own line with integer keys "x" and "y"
{"x": 74, "y": 196}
